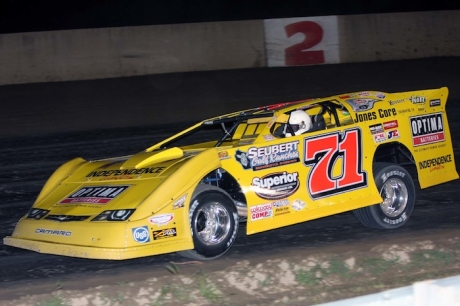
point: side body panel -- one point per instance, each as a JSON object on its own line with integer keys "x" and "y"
{"x": 291, "y": 180}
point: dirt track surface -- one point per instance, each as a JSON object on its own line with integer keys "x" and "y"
{"x": 318, "y": 261}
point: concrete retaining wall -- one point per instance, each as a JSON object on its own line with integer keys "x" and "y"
{"x": 130, "y": 51}
{"x": 117, "y": 52}
{"x": 367, "y": 38}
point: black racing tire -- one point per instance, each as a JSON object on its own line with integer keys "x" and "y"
{"x": 214, "y": 223}
{"x": 398, "y": 192}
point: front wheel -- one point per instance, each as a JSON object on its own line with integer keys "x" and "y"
{"x": 213, "y": 221}
{"x": 398, "y": 193}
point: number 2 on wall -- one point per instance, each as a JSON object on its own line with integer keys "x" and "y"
{"x": 298, "y": 54}
{"x": 323, "y": 154}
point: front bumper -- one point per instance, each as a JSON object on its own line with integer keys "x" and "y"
{"x": 99, "y": 253}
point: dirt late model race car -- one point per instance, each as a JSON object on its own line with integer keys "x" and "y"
{"x": 267, "y": 167}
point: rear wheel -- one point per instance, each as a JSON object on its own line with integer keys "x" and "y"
{"x": 398, "y": 193}
{"x": 213, "y": 221}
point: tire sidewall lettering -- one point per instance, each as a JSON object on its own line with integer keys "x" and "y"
{"x": 387, "y": 175}
{"x": 400, "y": 174}
{"x": 190, "y": 215}
{"x": 391, "y": 221}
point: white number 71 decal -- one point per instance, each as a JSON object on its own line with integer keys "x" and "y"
{"x": 324, "y": 152}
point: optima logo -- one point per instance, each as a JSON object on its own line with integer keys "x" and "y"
{"x": 276, "y": 185}
{"x": 427, "y": 129}
{"x": 94, "y": 195}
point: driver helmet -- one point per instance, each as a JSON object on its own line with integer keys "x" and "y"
{"x": 300, "y": 122}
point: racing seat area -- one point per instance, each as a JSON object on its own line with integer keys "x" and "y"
{"x": 318, "y": 123}
{"x": 279, "y": 131}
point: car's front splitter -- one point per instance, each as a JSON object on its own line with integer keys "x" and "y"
{"x": 100, "y": 253}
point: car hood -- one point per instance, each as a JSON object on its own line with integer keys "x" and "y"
{"x": 110, "y": 184}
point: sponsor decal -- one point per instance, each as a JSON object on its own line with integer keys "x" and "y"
{"x": 381, "y": 113}
{"x": 94, "y": 195}
{"x": 417, "y": 99}
{"x": 281, "y": 203}
{"x": 262, "y": 211}
{"x": 435, "y": 163}
{"x": 276, "y": 185}
{"x": 390, "y": 124}
{"x": 258, "y": 158}
{"x": 376, "y": 129}
{"x": 282, "y": 211}
{"x": 141, "y": 234}
{"x": 362, "y": 94}
{"x": 392, "y": 134}
{"x": 268, "y": 137}
{"x": 427, "y": 148}
{"x": 44, "y": 231}
{"x": 115, "y": 173}
{"x": 224, "y": 155}
{"x": 396, "y": 221}
{"x": 281, "y": 207}
{"x": 385, "y": 176}
{"x": 377, "y": 94}
{"x": 114, "y": 178}
{"x": 403, "y": 111}
{"x": 298, "y": 205}
{"x": 365, "y": 117}
{"x": 379, "y": 137}
{"x": 427, "y": 129}
{"x": 162, "y": 219}
{"x": 361, "y": 105}
{"x": 180, "y": 202}
{"x": 164, "y": 233}
{"x": 384, "y": 113}
{"x": 435, "y": 102}
{"x": 393, "y": 102}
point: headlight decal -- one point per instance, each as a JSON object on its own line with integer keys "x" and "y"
{"x": 37, "y": 213}
{"x": 114, "y": 215}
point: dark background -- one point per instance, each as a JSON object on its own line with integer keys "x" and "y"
{"x": 28, "y": 16}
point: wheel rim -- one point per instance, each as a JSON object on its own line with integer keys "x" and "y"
{"x": 212, "y": 223}
{"x": 395, "y": 196}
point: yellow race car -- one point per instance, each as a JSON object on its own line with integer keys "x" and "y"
{"x": 268, "y": 167}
